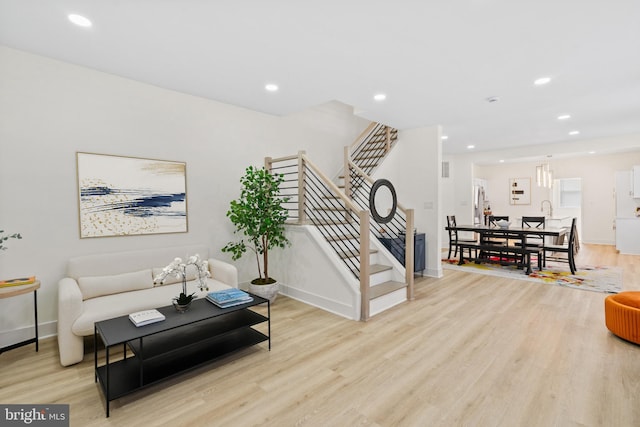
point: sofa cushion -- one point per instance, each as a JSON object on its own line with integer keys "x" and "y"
{"x": 96, "y": 286}
{"x": 110, "y": 306}
{"x": 124, "y": 262}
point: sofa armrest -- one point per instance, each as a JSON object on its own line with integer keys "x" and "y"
{"x": 69, "y": 299}
{"x": 224, "y": 272}
{"x": 69, "y": 309}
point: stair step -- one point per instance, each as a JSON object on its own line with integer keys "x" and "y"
{"x": 342, "y": 237}
{"x": 378, "y": 268}
{"x": 355, "y": 254}
{"x": 385, "y": 288}
{"x": 374, "y": 269}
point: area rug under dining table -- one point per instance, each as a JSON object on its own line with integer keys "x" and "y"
{"x": 590, "y": 278}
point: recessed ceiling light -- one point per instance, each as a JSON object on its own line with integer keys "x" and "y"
{"x": 79, "y": 20}
{"x": 592, "y": 152}
{"x": 443, "y": 137}
{"x": 271, "y": 87}
{"x": 380, "y": 97}
{"x": 542, "y": 81}
{"x": 501, "y": 161}
{"x": 574, "y": 132}
{"x": 564, "y": 117}
{"x": 471, "y": 147}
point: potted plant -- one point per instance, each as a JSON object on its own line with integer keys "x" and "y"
{"x": 259, "y": 217}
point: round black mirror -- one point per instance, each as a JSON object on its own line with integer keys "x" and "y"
{"x": 382, "y": 197}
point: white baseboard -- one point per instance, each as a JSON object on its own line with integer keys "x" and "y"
{"x": 434, "y": 272}
{"x": 332, "y": 306}
{"x": 45, "y": 330}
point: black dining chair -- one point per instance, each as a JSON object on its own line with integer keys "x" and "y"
{"x": 493, "y": 219}
{"x": 564, "y": 253}
{"x": 533, "y": 240}
{"x": 534, "y": 222}
{"x": 493, "y": 222}
{"x": 453, "y": 238}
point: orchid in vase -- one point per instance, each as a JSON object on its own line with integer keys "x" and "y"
{"x": 178, "y": 268}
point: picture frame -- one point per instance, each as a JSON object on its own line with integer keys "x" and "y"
{"x": 128, "y": 196}
{"x": 520, "y": 191}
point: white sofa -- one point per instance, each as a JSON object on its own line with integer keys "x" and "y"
{"x": 100, "y": 287}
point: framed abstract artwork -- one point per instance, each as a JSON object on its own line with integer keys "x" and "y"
{"x": 127, "y": 196}
{"x": 520, "y": 191}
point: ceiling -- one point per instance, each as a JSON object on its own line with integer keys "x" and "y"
{"x": 436, "y": 61}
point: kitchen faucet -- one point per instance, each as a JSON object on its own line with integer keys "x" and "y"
{"x": 550, "y": 207}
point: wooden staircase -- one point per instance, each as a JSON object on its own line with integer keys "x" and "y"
{"x": 386, "y": 285}
{"x": 345, "y": 226}
{"x": 372, "y": 146}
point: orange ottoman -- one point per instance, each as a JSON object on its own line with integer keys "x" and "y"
{"x": 622, "y": 315}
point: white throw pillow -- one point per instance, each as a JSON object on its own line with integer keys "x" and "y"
{"x": 95, "y": 286}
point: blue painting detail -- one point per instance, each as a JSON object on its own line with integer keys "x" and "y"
{"x": 144, "y": 205}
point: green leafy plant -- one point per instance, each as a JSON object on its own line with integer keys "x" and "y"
{"x": 259, "y": 217}
{"x": 4, "y": 238}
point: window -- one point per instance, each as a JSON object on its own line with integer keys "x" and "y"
{"x": 570, "y": 192}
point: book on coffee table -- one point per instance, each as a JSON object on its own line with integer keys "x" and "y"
{"x": 146, "y": 317}
{"x": 228, "y": 297}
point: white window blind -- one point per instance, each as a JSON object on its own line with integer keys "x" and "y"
{"x": 570, "y": 192}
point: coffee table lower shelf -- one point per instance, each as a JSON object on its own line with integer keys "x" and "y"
{"x": 126, "y": 374}
{"x": 182, "y": 346}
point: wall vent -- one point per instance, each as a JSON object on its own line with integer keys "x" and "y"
{"x": 445, "y": 169}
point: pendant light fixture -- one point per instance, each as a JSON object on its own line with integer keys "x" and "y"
{"x": 544, "y": 175}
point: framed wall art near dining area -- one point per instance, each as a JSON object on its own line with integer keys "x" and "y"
{"x": 520, "y": 191}
{"x": 126, "y": 196}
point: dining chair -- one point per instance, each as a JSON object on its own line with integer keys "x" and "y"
{"x": 533, "y": 240}
{"x": 493, "y": 222}
{"x": 454, "y": 239}
{"x": 534, "y": 222}
{"x": 493, "y": 219}
{"x": 564, "y": 253}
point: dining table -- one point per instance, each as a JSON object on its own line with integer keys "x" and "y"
{"x": 509, "y": 240}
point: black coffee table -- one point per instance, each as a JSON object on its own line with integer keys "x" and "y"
{"x": 181, "y": 342}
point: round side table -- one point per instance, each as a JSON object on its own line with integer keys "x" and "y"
{"x": 13, "y": 291}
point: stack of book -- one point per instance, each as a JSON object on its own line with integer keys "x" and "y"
{"x": 17, "y": 282}
{"x": 229, "y": 297}
{"x": 146, "y": 317}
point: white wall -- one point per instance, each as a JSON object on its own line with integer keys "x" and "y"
{"x": 414, "y": 169}
{"x": 49, "y": 110}
{"x": 457, "y": 193}
{"x": 316, "y": 275}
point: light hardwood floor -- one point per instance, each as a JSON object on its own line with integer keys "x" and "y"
{"x": 470, "y": 350}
